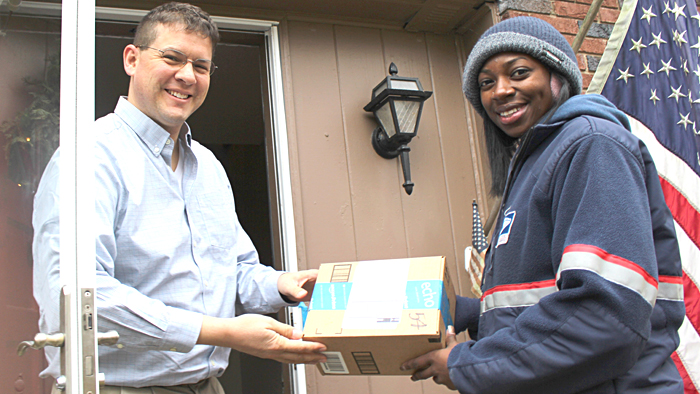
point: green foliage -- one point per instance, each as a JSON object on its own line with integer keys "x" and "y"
{"x": 33, "y": 135}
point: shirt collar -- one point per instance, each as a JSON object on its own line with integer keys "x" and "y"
{"x": 151, "y": 133}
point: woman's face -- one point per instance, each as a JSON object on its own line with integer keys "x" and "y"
{"x": 515, "y": 91}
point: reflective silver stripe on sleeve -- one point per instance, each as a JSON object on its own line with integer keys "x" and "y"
{"x": 515, "y": 298}
{"x": 613, "y": 272}
{"x": 670, "y": 291}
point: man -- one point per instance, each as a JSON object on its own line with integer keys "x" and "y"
{"x": 173, "y": 263}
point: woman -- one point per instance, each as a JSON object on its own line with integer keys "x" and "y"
{"x": 581, "y": 283}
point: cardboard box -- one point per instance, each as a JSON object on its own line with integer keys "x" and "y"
{"x": 375, "y": 315}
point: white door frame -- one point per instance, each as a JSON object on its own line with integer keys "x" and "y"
{"x": 77, "y": 179}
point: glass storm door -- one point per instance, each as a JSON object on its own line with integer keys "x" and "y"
{"x": 47, "y": 85}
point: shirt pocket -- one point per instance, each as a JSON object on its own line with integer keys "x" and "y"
{"x": 217, "y": 213}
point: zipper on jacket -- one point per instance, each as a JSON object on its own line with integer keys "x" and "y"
{"x": 512, "y": 174}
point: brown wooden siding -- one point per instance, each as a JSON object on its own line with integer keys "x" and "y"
{"x": 349, "y": 203}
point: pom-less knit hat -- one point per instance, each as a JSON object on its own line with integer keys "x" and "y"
{"x": 524, "y": 34}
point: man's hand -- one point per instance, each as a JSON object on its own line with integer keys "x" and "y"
{"x": 297, "y": 286}
{"x": 434, "y": 364}
{"x": 261, "y": 336}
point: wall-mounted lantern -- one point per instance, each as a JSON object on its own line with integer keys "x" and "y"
{"x": 397, "y": 103}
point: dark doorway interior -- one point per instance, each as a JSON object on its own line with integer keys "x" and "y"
{"x": 231, "y": 123}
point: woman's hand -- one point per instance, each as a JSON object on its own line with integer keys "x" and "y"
{"x": 434, "y": 364}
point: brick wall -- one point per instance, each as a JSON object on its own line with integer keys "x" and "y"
{"x": 567, "y": 17}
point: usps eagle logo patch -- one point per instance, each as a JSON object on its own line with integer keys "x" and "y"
{"x": 504, "y": 234}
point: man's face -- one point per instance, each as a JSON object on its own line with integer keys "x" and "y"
{"x": 168, "y": 94}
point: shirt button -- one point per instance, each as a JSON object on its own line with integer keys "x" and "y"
{"x": 168, "y": 141}
{"x": 172, "y": 349}
{"x": 156, "y": 149}
{"x": 206, "y": 283}
{"x": 213, "y": 364}
{"x": 120, "y": 346}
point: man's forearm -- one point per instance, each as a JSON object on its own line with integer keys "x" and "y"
{"x": 142, "y": 322}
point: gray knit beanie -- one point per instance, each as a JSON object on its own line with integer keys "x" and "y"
{"x": 523, "y": 34}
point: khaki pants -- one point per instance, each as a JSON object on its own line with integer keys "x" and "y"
{"x": 208, "y": 386}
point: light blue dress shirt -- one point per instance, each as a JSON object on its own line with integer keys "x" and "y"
{"x": 166, "y": 256}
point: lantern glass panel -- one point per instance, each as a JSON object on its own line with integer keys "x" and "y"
{"x": 407, "y": 114}
{"x": 379, "y": 89}
{"x": 384, "y": 115}
{"x": 404, "y": 85}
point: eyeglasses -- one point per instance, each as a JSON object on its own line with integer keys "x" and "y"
{"x": 177, "y": 58}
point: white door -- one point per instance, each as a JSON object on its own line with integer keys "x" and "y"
{"x": 33, "y": 37}
{"x": 77, "y": 183}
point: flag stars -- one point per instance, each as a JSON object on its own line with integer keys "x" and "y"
{"x": 624, "y": 75}
{"x": 697, "y": 46}
{"x": 685, "y": 67}
{"x": 697, "y": 72}
{"x": 657, "y": 40}
{"x": 654, "y": 98}
{"x": 637, "y": 45}
{"x": 647, "y": 71}
{"x": 696, "y": 17}
{"x": 478, "y": 237}
{"x": 678, "y": 37}
{"x": 667, "y": 9}
{"x": 677, "y": 11}
{"x": 684, "y": 120}
{"x": 667, "y": 68}
{"x": 677, "y": 93}
{"x": 648, "y": 14}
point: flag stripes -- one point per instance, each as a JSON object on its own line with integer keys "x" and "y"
{"x": 688, "y": 386}
{"x": 687, "y": 357}
{"x": 683, "y": 212}
{"x": 651, "y": 70}
{"x": 674, "y": 174}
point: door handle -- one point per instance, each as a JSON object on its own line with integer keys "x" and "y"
{"x": 40, "y": 341}
{"x": 108, "y": 338}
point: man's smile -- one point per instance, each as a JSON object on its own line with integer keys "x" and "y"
{"x": 177, "y": 94}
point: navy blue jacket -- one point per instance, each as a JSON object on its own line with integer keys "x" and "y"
{"x": 582, "y": 282}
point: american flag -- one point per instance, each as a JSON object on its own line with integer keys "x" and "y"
{"x": 474, "y": 255}
{"x": 478, "y": 237}
{"x": 651, "y": 71}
